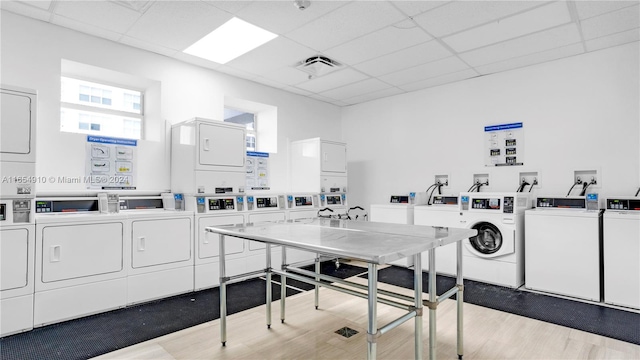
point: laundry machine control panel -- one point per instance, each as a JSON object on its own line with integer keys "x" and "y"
{"x": 445, "y": 200}
{"x": 265, "y": 202}
{"x": 305, "y": 201}
{"x": 561, "y": 203}
{"x": 399, "y": 199}
{"x": 623, "y": 204}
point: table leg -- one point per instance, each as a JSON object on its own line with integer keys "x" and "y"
{"x": 372, "y": 327}
{"x": 432, "y": 299}
{"x": 283, "y": 285}
{"x": 460, "y": 298}
{"x": 417, "y": 288}
{"x": 268, "y": 250}
{"x": 223, "y": 294}
{"x": 317, "y": 288}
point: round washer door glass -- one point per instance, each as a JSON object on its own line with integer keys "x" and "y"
{"x": 488, "y": 240}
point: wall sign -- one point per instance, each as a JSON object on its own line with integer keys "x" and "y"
{"x": 257, "y": 170}
{"x": 111, "y": 163}
{"x": 504, "y": 145}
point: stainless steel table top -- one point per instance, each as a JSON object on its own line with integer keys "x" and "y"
{"x": 373, "y": 242}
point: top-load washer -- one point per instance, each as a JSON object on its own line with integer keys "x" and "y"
{"x": 161, "y": 262}
{"x": 80, "y": 259}
{"x": 496, "y": 254}
{"x": 563, "y": 248}
{"x": 621, "y": 248}
{"x": 443, "y": 212}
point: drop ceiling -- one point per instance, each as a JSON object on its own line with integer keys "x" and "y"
{"x": 385, "y": 47}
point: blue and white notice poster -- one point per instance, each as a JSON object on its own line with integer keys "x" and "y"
{"x": 257, "y": 165}
{"x": 111, "y": 163}
{"x": 504, "y": 145}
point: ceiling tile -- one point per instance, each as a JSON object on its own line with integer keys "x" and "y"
{"x": 529, "y": 44}
{"x": 281, "y": 17}
{"x": 269, "y": 82}
{"x": 461, "y": 15}
{"x": 275, "y": 54}
{"x": 439, "y": 80}
{"x": 508, "y": 28}
{"x": 287, "y": 75}
{"x": 177, "y": 24}
{"x": 413, "y": 8}
{"x": 611, "y": 23}
{"x": 613, "y": 40}
{"x": 381, "y": 42}
{"x": 191, "y": 59}
{"x": 425, "y": 71}
{"x": 332, "y": 80}
{"x": 295, "y": 90}
{"x": 230, "y": 6}
{"x": 587, "y": 9}
{"x": 102, "y": 14}
{"x": 42, "y": 4}
{"x": 21, "y": 8}
{"x": 149, "y": 46}
{"x": 355, "y": 89}
{"x": 374, "y": 95}
{"x": 85, "y": 28}
{"x": 404, "y": 59}
{"x": 532, "y": 59}
{"x": 235, "y": 72}
{"x": 346, "y": 23}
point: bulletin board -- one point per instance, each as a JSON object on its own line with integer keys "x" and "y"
{"x": 504, "y": 145}
{"x": 257, "y": 165}
{"x": 111, "y": 163}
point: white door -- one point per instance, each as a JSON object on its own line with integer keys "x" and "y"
{"x": 16, "y": 134}
{"x": 333, "y": 157}
{"x": 157, "y": 242}
{"x": 208, "y": 243}
{"x": 221, "y": 145}
{"x": 76, "y": 251}
{"x": 14, "y": 249}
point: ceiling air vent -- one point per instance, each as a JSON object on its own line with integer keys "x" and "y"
{"x": 318, "y": 65}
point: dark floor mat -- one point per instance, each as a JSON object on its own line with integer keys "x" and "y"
{"x": 597, "y": 319}
{"x": 102, "y": 333}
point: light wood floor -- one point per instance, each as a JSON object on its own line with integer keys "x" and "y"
{"x": 309, "y": 334}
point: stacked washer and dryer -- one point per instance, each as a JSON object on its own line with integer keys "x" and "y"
{"x": 17, "y": 191}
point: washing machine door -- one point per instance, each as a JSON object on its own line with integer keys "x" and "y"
{"x": 488, "y": 242}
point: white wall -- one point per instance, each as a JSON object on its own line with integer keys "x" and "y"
{"x": 579, "y": 113}
{"x": 31, "y": 58}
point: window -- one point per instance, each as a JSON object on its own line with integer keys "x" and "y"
{"x": 100, "y": 109}
{"x": 246, "y": 119}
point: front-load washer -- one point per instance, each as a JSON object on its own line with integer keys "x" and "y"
{"x": 161, "y": 262}
{"x": 621, "y": 248}
{"x": 81, "y": 259}
{"x": 213, "y": 210}
{"x": 563, "y": 248}
{"x": 263, "y": 208}
{"x": 496, "y": 254}
{"x": 17, "y": 256}
{"x": 443, "y": 212}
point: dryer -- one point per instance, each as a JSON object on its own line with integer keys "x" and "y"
{"x": 212, "y": 210}
{"x": 161, "y": 262}
{"x": 17, "y": 256}
{"x": 621, "y": 248}
{"x": 443, "y": 212}
{"x": 496, "y": 254}
{"x": 80, "y": 258}
{"x": 563, "y": 248}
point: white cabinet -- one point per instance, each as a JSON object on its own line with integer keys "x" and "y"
{"x": 318, "y": 166}
{"x": 18, "y": 123}
{"x": 160, "y": 242}
{"x": 207, "y": 157}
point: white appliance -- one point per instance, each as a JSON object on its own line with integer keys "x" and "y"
{"x": 161, "y": 247}
{"x": 399, "y": 210}
{"x": 318, "y": 166}
{"x": 301, "y": 206}
{"x": 81, "y": 256}
{"x": 263, "y": 208}
{"x": 18, "y": 108}
{"x": 207, "y": 157}
{"x": 17, "y": 256}
{"x": 496, "y": 254}
{"x": 621, "y": 248}
{"x": 443, "y": 212}
{"x": 212, "y": 210}
{"x": 563, "y": 247}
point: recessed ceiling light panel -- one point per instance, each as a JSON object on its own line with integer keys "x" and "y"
{"x": 232, "y": 39}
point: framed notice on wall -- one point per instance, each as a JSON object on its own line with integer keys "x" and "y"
{"x": 504, "y": 145}
{"x": 257, "y": 170}
{"x": 111, "y": 163}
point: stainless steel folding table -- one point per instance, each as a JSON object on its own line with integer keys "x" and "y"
{"x": 370, "y": 242}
